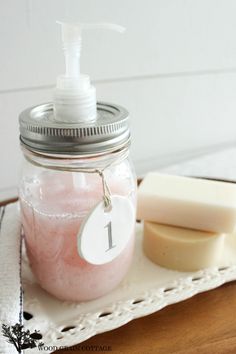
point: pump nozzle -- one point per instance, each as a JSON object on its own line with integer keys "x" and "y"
{"x": 74, "y": 96}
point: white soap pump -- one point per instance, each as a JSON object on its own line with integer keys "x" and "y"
{"x": 74, "y": 96}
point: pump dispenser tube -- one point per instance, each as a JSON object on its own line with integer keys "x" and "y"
{"x": 74, "y": 96}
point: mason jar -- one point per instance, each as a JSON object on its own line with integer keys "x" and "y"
{"x": 70, "y": 174}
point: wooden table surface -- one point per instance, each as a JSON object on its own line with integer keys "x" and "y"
{"x": 204, "y": 324}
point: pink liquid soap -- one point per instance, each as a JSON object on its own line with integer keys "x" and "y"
{"x": 52, "y": 212}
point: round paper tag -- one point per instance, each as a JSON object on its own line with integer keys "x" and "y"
{"x": 104, "y": 234}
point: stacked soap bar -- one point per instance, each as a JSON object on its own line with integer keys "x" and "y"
{"x": 185, "y": 220}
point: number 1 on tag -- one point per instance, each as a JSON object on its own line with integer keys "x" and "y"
{"x": 104, "y": 235}
{"x": 110, "y": 241}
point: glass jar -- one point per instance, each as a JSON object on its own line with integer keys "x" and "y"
{"x": 56, "y": 193}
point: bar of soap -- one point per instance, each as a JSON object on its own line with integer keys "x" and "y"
{"x": 188, "y": 202}
{"x": 181, "y": 249}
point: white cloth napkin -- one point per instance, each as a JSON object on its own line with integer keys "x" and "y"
{"x": 10, "y": 272}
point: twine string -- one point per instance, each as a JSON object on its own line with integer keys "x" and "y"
{"x": 106, "y": 191}
{"x": 100, "y": 172}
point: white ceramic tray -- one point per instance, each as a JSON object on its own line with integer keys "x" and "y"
{"x": 147, "y": 288}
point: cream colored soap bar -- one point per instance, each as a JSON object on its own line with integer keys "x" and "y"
{"x": 188, "y": 202}
{"x": 182, "y": 249}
